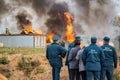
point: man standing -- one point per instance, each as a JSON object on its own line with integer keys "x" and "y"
{"x": 81, "y": 65}
{"x": 71, "y": 45}
{"x": 110, "y": 59}
{"x": 54, "y": 54}
{"x": 73, "y": 63}
{"x": 93, "y": 58}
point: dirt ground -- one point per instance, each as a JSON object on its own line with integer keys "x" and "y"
{"x": 40, "y": 72}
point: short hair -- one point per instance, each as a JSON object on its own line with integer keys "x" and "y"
{"x": 93, "y": 41}
{"x": 77, "y": 42}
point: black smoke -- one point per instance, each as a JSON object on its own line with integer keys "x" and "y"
{"x": 40, "y": 6}
{"x": 22, "y": 20}
{"x": 56, "y": 22}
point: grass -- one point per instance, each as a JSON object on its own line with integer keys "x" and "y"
{"x": 118, "y": 52}
{"x": 22, "y": 50}
{"x": 4, "y": 61}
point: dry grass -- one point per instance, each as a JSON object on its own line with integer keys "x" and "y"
{"x": 22, "y": 50}
{"x": 42, "y": 71}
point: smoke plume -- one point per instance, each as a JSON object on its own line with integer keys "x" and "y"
{"x": 22, "y": 20}
{"x": 56, "y": 22}
{"x": 91, "y": 17}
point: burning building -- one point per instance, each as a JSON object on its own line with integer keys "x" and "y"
{"x": 26, "y": 38}
{"x": 65, "y": 18}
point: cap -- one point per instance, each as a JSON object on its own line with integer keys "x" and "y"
{"x": 106, "y": 39}
{"x": 77, "y": 38}
{"x": 55, "y": 38}
{"x": 93, "y": 39}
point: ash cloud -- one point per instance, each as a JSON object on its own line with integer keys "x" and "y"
{"x": 56, "y": 22}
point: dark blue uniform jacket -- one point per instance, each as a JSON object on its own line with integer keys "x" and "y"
{"x": 54, "y": 54}
{"x": 93, "y": 57}
{"x": 110, "y": 55}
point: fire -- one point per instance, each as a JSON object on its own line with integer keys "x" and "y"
{"x": 49, "y": 37}
{"x": 69, "y": 32}
{"x": 39, "y": 31}
{"x": 28, "y": 29}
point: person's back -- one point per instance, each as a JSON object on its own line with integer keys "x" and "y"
{"x": 81, "y": 65}
{"x": 93, "y": 58}
{"x": 110, "y": 60}
{"x": 110, "y": 55}
{"x": 73, "y": 63}
{"x": 55, "y": 53}
{"x": 79, "y": 58}
{"x": 71, "y": 45}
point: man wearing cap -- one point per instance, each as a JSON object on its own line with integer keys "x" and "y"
{"x": 110, "y": 60}
{"x": 54, "y": 54}
{"x": 71, "y": 45}
{"x": 93, "y": 57}
{"x": 73, "y": 63}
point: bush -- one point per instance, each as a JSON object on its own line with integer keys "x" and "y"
{"x": 27, "y": 65}
{"x": 8, "y": 75}
{"x": 117, "y": 75}
{"x": 24, "y": 65}
{"x": 4, "y": 61}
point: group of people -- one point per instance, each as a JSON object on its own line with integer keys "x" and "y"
{"x": 87, "y": 63}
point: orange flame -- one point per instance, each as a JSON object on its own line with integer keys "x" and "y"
{"x": 49, "y": 37}
{"x": 69, "y": 32}
{"x": 39, "y": 31}
{"x": 28, "y": 28}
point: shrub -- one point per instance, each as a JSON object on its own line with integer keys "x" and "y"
{"x": 24, "y": 65}
{"x": 27, "y": 65}
{"x": 4, "y": 61}
{"x": 117, "y": 75}
{"x": 8, "y": 75}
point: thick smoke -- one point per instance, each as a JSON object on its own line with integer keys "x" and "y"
{"x": 56, "y": 22}
{"x": 97, "y": 17}
{"x": 3, "y": 7}
{"x": 37, "y": 9}
{"x": 92, "y": 17}
{"x": 83, "y": 9}
{"x": 40, "y": 6}
{"x": 22, "y": 20}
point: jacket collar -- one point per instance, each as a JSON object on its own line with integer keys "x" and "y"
{"x": 93, "y": 44}
{"x": 106, "y": 44}
{"x": 55, "y": 43}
